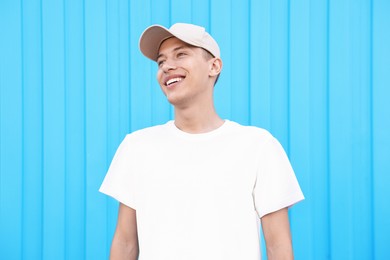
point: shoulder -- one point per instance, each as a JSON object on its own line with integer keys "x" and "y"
{"x": 250, "y": 132}
{"x": 141, "y": 141}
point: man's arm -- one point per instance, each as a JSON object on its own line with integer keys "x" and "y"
{"x": 276, "y": 230}
{"x": 125, "y": 241}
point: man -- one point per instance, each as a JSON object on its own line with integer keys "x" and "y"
{"x": 198, "y": 187}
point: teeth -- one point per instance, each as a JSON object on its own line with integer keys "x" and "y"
{"x": 169, "y": 82}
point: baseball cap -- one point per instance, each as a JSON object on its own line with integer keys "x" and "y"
{"x": 194, "y": 35}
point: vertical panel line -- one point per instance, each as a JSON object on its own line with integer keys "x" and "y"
{"x": 151, "y": 79}
{"x": 327, "y": 123}
{"x": 171, "y": 112}
{"x": 23, "y": 132}
{"x": 209, "y": 15}
{"x": 250, "y": 90}
{"x": 231, "y": 55}
{"x": 372, "y": 194}
{"x": 192, "y": 11}
{"x": 119, "y": 7}
{"x": 288, "y": 77}
{"x": 129, "y": 64}
{"x": 170, "y": 12}
{"x": 108, "y": 97}
{"x": 84, "y": 135}
{"x": 65, "y": 133}
{"x": 42, "y": 132}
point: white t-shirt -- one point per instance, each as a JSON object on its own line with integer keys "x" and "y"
{"x": 200, "y": 196}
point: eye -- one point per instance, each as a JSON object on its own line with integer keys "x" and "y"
{"x": 160, "y": 63}
{"x": 181, "y": 54}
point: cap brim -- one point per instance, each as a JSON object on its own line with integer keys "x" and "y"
{"x": 151, "y": 40}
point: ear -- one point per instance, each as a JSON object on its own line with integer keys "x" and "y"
{"x": 215, "y": 67}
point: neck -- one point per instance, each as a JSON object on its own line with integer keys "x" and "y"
{"x": 196, "y": 120}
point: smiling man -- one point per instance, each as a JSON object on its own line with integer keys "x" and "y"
{"x": 198, "y": 187}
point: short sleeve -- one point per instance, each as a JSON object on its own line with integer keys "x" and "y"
{"x": 276, "y": 184}
{"x": 119, "y": 181}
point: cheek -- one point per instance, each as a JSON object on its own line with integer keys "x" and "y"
{"x": 159, "y": 77}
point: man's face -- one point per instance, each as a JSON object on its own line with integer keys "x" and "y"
{"x": 184, "y": 73}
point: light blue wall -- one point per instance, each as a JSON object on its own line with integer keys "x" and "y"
{"x": 73, "y": 83}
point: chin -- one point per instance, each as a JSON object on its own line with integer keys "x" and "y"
{"x": 177, "y": 102}
{"x": 173, "y": 102}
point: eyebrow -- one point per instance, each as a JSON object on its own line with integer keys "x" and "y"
{"x": 174, "y": 50}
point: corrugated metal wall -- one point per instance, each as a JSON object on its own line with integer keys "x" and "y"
{"x": 73, "y": 83}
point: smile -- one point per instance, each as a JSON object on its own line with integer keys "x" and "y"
{"x": 173, "y": 80}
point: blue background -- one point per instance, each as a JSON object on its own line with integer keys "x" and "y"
{"x": 73, "y": 83}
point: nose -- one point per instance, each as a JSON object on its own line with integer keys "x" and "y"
{"x": 167, "y": 66}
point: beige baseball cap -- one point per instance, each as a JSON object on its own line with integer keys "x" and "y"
{"x": 152, "y": 38}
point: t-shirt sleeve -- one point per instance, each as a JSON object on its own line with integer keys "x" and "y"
{"x": 276, "y": 185}
{"x": 119, "y": 182}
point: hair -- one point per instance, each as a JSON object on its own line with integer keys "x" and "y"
{"x": 207, "y": 55}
